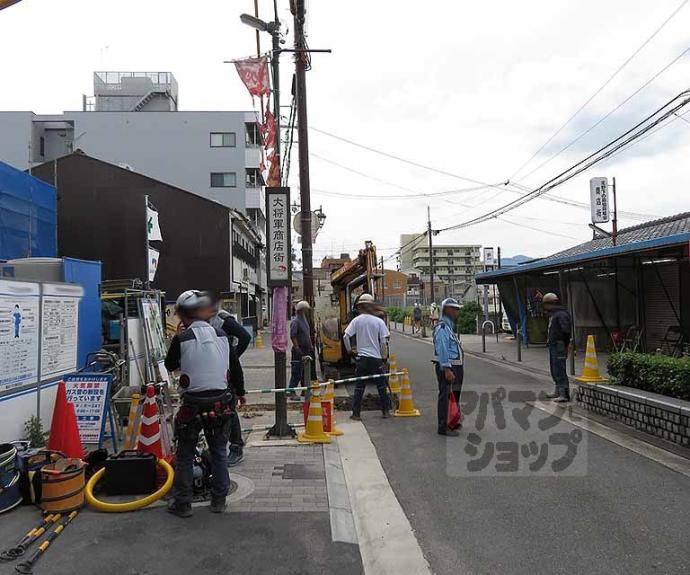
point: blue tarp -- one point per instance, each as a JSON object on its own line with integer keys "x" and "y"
{"x": 28, "y": 215}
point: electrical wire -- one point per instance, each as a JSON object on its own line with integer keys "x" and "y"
{"x": 600, "y": 89}
{"x": 525, "y": 226}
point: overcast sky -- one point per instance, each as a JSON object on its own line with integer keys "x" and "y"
{"x": 471, "y": 88}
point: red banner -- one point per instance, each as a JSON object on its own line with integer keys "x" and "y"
{"x": 269, "y": 130}
{"x": 254, "y": 73}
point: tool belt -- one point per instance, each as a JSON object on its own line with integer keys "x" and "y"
{"x": 212, "y": 411}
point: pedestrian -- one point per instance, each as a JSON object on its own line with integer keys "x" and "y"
{"x": 558, "y": 342}
{"x": 371, "y": 336}
{"x": 302, "y": 346}
{"x": 202, "y": 354}
{"x": 433, "y": 314}
{"x": 417, "y": 317}
{"x": 448, "y": 360}
{"x": 231, "y": 327}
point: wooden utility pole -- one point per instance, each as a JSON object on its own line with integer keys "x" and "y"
{"x": 431, "y": 256}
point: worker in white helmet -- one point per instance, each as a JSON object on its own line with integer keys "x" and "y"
{"x": 371, "y": 335}
{"x": 558, "y": 341}
{"x": 302, "y": 345}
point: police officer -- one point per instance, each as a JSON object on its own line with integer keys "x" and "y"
{"x": 448, "y": 361}
{"x": 202, "y": 354}
{"x": 231, "y": 327}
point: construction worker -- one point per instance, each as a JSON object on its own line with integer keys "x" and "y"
{"x": 558, "y": 341}
{"x": 448, "y": 359}
{"x": 302, "y": 346}
{"x": 433, "y": 313}
{"x": 202, "y": 354}
{"x": 372, "y": 337}
{"x": 231, "y": 327}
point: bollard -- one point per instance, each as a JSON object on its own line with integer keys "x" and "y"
{"x": 483, "y": 341}
{"x": 493, "y": 330}
{"x": 259, "y": 341}
{"x": 518, "y": 338}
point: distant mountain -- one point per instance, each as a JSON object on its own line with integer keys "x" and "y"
{"x": 515, "y": 261}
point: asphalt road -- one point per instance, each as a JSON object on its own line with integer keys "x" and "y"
{"x": 613, "y": 512}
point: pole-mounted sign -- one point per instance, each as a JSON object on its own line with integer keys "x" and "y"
{"x": 489, "y": 260}
{"x": 599, "y": 194}
{"x": 278, "y": 254}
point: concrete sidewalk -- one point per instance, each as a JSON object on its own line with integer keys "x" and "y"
{"x": 534, "y": 357}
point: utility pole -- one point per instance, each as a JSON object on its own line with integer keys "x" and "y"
{"x": 614, "y": 235}
{"x": 383, "y": 283}
{"x": 431, "y": 255}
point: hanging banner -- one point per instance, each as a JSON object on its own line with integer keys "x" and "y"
{"x": 268, "y": 130}
{"x": 152, "y": 227}
{"x": 278, "y": 236}
{"x": 279, "y": 329}
{"x": 599, "y": 195}
{"x": 153, "y": 263}
{"x": 89, "y": 393}
{"x": 254, "y": 74}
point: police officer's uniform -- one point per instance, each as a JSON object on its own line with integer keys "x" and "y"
{"x": 448, "y": 354}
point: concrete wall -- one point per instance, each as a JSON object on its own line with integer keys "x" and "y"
{"x": 15, "y": 138}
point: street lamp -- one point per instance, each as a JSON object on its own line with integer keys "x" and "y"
{"x": 259, "y": 24}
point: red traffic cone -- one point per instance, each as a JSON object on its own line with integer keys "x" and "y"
{"x": 64, "y": 431}
{"x": 150, "y": 432}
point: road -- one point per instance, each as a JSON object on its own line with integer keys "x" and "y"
{"x": 613, "y": 512}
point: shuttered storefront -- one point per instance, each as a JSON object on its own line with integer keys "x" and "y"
{"x": 661, "y": 298}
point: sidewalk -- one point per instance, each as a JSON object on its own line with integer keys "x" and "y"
{"x": 534, "y": 358}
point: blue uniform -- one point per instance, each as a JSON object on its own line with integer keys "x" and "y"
{"x": 448, "y": 355}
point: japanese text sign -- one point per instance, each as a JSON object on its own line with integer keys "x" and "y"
{"x": 89, "y": 392}
{"x": 599, "y": 193}
{"x": 278, "y": 255}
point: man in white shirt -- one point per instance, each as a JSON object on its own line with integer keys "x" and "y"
{"x": 372, "y": 337}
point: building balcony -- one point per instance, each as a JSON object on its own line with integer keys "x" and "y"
{"x": 255, "y": 198}
{"x": 252, "y": 156}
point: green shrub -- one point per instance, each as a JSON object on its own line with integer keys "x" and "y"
{"x": 657, "y": 373}
{"x": 467, "y": 318}
{"x": 395, "y": 313}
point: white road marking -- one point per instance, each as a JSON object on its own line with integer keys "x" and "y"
{"x": 661, "y": 456}
{"x": 386, "y": 541}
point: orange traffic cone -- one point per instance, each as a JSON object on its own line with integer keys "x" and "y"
{"x": 590, "y": 374}
{"x": 64, "y": 430}
{"x": 329, "y": 396}
{"x": 313, "y": 432}
{"x": 149, "y": 440}
{"x": 393, "y": 380}
{"x": 406, "y": 407}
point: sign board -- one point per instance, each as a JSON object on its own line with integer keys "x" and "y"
{"x": 89, "y": 392}
{"x": 315, "y": 223}
{"x": 599, "y": 197}
{"x": 59, "y": 329}
{"x": 19, "y": 334}
{"x": 278, "y": 253}
{"x": 489, "y": 257}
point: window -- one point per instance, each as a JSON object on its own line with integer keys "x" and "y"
{"x": 223, "y": 140}
{"x": 396, "y": 284}
{"x": 253, "y": 178}
{"x": 252, "y": 134}
{"x": 223, "y": 180}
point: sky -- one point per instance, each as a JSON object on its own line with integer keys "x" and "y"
{"x": 472, "y": 89}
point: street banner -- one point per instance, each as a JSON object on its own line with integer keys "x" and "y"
{"x": 599, "y": 195}
{"x": 278, "y": 252}
{"x": 153, "y": 263}
{"x": 152, "y": 227}
{"x": 268, "y": 130}
{"x": 279, "y": 323}
{"x": 89, "y": 392}
{"x": 254, "y": 74}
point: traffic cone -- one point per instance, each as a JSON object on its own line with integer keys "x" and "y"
{"x": 149, "y": 440}
{"x": 590, "y": 374}
{"x": 393, "y": 380}
{"x": 64, "y": 430}
{"x": 330, "y": 397}
{"x": 406, "y": 407}
{"x": 313, "y": 432}
{"x": 259, "y": 339}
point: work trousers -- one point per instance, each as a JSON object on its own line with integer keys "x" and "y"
{"x": 558, "y": 354}
{"x": 370, "y": 366}
{"x": 235, "y": 430}
{"x": 297, "y": 369}
{"x": 187, "y": 438}
{"x": 444, "y": 388}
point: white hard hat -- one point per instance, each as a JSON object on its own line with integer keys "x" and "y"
{"x": 302, "y": 305}
{"x": 193, "y": 299}
{"x": 365, "y": 298}
{"x": 450, "y": 302}
{"x": 549, "y": 298}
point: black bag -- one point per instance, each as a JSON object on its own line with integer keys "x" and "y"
{"x": 130, "y": 472}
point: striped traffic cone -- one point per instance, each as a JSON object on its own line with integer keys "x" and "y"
{"x": 590, "y": 374}
{"x": 329, "y": 396}
{"x": 393, "y": 380}
{"x": 406, "y": 407}
{"x": 313, "y": 432}
{"x": 259, "y": 340}
{"x": 150, "y": 432}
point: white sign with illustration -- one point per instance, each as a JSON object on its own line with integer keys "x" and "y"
{"x": 19, "y": 328}
{"x": 60, "y": 319}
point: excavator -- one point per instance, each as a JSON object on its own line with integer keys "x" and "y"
{"x": 350, "y": 281}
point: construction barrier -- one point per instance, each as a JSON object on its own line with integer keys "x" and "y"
{"x": 590, "y": 373}
{"x": 393, "y": 380}
{"x": 324, "y": 384}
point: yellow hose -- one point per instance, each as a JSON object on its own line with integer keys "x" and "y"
{"x": 130, "y": 505}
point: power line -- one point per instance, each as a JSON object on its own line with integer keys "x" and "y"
{"x": 520, "y": 225}
{"x": 601, "y": 88}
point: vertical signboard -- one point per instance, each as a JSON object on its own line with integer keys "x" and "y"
{"x": 19, "y": 334}
{"x": 599, "y": 197}
{"x": 489, "y": 261}
{"x": 278, "y": 252}
{"x": 59, "y": 329}
{"x": 89, "y": 392}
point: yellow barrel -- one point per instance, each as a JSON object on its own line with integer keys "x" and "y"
{"x": 62, "y": 485}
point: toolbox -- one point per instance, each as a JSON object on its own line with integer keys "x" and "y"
{"x": 130, "y": 472}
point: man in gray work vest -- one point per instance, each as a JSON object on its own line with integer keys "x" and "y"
{"x": 202, "y": 354}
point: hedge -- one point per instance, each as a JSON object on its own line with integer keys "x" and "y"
{"x": 668, "y": 376}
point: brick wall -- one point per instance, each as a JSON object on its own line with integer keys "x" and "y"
{"x": 649, "y": 412}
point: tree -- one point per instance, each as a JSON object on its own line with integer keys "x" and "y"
{"x": 467, "y": 318}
